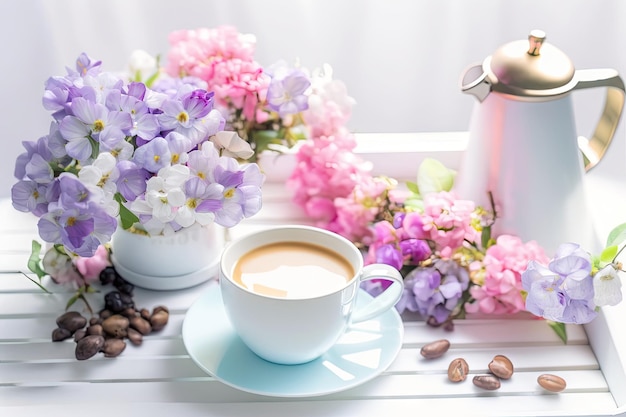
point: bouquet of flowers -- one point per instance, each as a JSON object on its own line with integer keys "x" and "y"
{"x": 451, "y": 263}
{"x": 122, "y": 154}
{"x": 271, "y": 108}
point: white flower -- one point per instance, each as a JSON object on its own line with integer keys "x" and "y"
{"x": 122, "y": 151}
{"x": 232, "y": 145}
{"x": 100, "y": 178}
{"x": 607, "y": 287}
{"x": 141, "y": 65}
{"x": 101, "y": 173}
{"x": 163, "y": 200}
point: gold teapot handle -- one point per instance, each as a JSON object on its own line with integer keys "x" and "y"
{"x": 594, "y": 149}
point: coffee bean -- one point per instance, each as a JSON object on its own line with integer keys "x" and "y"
{"x": 59, "y": 334}
{"x": 134, "y": 336}
{"x": 88, "y": 346}
{"x": 79, "y": 334}
{"x": 116, "y": 325}
{"x": 488, "y": 382}
{"x": 435, "y": 349}
{"x": 501, "y": 366}
{"x": 72, "y": 321}
{"x": 458, "y": 370}
{"x": 160, "y": 308}
{"x": 113, "y": 347}
{"x": 551, "y": 382}
{"x": 159, "y": 319}
{"x": 141, "y": 325}
{"x": 145, "y": 313}
{"x": 95, "y": 329}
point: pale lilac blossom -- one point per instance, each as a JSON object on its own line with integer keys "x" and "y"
{"x": 562, "y": 291}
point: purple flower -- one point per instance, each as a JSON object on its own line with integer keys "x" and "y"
{"x": 28, "y": 196}
{"x": 242, "y": 194}
{"x": 86, "y": 66}
{"x": 132, "y": 180}
{"x": 145, "y": 125}
{"x": 104, "y": 125}
{"x": 390, "y": 255}
{"x": 56, "y": 95}
{"x": 416, "y": 250}
{"x": 76, "y": 221}
{"x": 562, "y": 291}
{"x": 154, "y": 155}
{"x": 436, "y": 290}
{"x": 191, "y": 116}
{"x": 285, "y": 94}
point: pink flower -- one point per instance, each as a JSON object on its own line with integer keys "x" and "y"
{"x": 90, "y": 268}
{"x": 326, "y": 168}
{"x": 195, "y": 52}
{"x": 500, "y": 291}
{"x": 448, "y": 221}
{"x": 240, "y": 84}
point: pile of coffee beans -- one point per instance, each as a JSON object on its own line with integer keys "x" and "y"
{"x": 119, "y": 321}
{"x": 500, "y": 368}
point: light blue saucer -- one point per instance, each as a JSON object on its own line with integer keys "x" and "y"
{"x": 365, "y": 351}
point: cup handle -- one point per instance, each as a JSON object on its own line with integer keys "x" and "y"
{"x": 384, "y": 301}
{"x": 593, "y": 149}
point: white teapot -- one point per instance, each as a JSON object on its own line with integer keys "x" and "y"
{"x": 523, "y": 149}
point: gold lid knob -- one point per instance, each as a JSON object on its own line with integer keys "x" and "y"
{"x": 535, "y": 40}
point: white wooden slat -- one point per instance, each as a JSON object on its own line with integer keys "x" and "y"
{"x": 477, "y": 332}
{"x": 160, "y": 345}
{"x": 545, "y": 405}
{"x": 420, "y": 384}
{"x": 405, "y": 391}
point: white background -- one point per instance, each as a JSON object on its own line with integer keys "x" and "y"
{"x": 401, "y": 59}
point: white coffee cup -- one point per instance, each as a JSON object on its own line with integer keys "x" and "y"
{"x": 297, "y": 330}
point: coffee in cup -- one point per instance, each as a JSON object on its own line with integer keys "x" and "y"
{"x": 292, "y": 270}
{"x": 290, "y": 291}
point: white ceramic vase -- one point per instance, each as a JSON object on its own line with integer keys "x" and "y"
{"x": 187, "y": 258}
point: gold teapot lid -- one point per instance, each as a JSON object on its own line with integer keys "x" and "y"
{"x": 530, "y": 68}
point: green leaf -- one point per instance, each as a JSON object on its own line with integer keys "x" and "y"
{"x": 608, "y": 254}
{"x": 127, "y": 217}
{"x": 414, "y": 203}
{"x": 34, "y": 261}
{"x": 617, "y": 236}
{"x": 559, "y": 329}
{"x": 433, "y": 176}
{"x": 72, "y": 300}
{"x": 485, "y": 237}
{"x": 412, "y": 187}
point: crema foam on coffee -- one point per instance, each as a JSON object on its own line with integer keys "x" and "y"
{"x": 292, "y": 270}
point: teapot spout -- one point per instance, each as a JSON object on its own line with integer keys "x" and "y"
{"x": 476, "y": 83}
